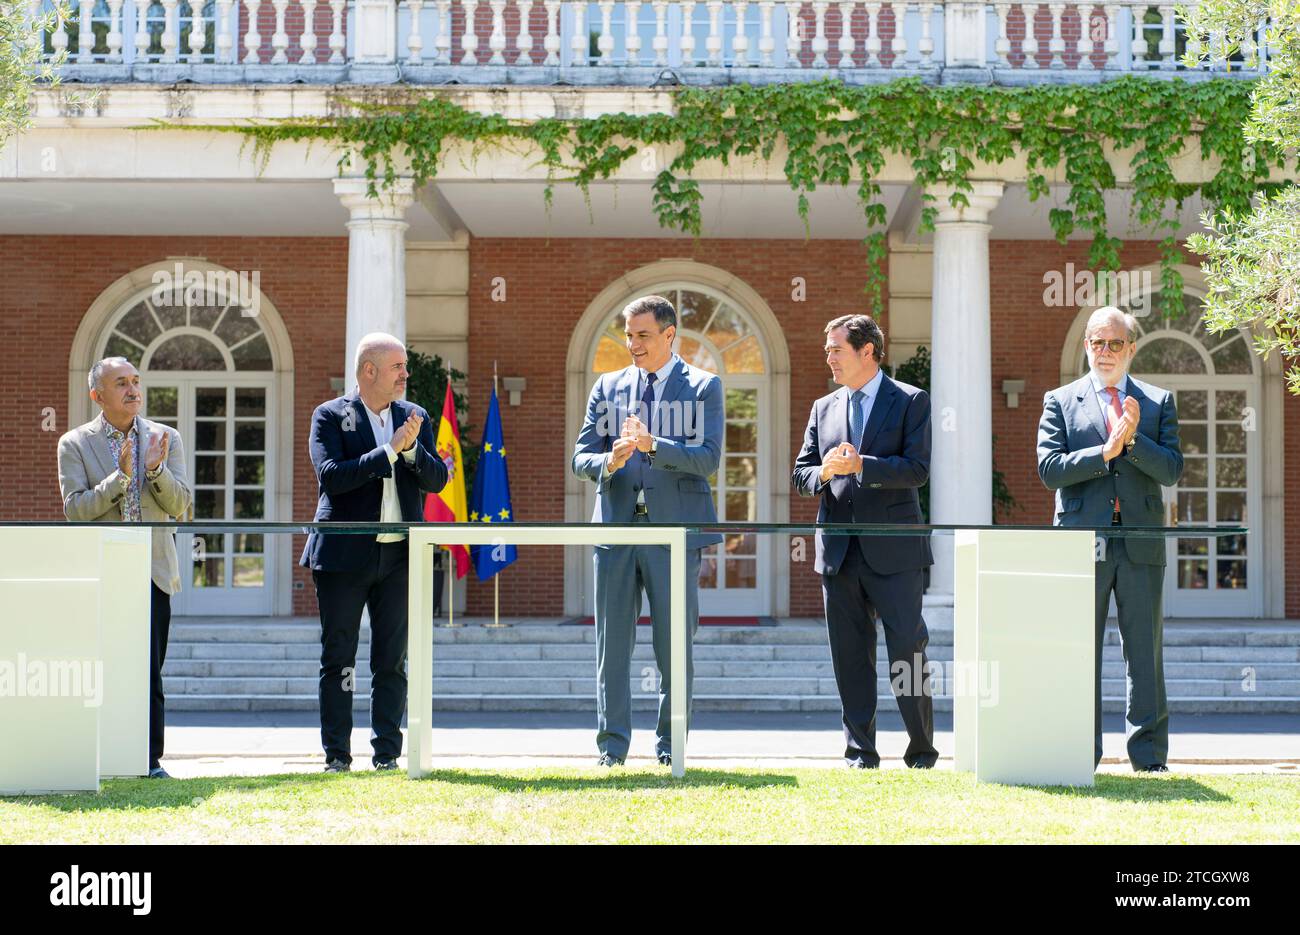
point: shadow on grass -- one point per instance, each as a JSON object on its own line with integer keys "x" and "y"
{"x": 130, "y": 794}
{"x": 613, "y": 780}
{"x": 1138, "y": 789}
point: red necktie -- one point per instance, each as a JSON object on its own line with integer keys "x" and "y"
{"x": 1114, "y": 412}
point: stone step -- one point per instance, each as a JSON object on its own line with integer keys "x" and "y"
{"x": 1111, "y": 705}
{"x": 741, "y": 686}
{"x": 643, "y": 653}
{"x": 585, "y": 668}
{"x": 787, "y": 633}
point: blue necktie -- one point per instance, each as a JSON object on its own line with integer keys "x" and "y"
{"x": 646, "y": 412}
{"x": 855, "y": 419}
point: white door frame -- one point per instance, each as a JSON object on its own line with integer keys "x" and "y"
{"x": 774, "y": 497}
{"x": 89, "y": 340}
{"x": 233, "y": 601}
{"x": 1248, "y": 601}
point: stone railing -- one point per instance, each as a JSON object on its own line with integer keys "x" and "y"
{"x": 544, "y": 41}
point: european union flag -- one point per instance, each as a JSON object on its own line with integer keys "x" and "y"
{"x": 490, "y": 502}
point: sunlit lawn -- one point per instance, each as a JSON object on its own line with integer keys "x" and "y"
{"x": 648, "y": 806}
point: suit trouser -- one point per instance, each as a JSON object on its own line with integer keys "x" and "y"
{"x": 622, "y": 572}
{"x": 160, "y": 621}
{"x": 849, "y": 596}
{"x": 1138, "y": 597}
{"x": 381, "y": 586}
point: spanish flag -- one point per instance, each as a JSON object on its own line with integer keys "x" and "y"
{"x": 448, "y": 505}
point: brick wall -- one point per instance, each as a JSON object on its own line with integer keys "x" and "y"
{"x": 48, "y": 283}
{"x": 563, "y": 277}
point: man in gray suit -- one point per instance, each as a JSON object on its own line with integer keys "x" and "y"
{"x": 119, "y": 467}
{"x": 1106, "y": 444}
{"x": 651, "y": 438}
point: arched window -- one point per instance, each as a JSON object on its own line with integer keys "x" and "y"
{"x": 715, "y": 334}
{"x": 207, "y": 369}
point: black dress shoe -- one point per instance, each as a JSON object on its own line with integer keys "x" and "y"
{"x": 1155, "y": 768}
{"x": 385, "y": 763}
{"x": 665, "y": 759}
{"x": 920, "y": 764}
{"x": 338, "y": 766}
{"x": 861, "y": 764}
{"x": 608, "y": 759}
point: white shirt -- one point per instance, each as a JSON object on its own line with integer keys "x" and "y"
{"x": 390, "y": 510}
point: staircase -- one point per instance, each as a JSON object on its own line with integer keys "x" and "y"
{"x": 271, "y": 664}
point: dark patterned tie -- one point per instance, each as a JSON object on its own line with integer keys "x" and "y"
{"x": 646, "y": 412}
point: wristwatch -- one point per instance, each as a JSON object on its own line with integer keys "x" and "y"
{"x": 654, "y": 447}
{"x": 1128, "y": 445}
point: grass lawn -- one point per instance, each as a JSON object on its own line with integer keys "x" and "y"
{"x": 647, "y": 806}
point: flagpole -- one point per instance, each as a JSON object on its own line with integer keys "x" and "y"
{"x": 496, "y": 623}
{"x": 449, "y": 585}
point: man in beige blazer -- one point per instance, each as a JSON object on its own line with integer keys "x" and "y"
{"x": 119, "y": 467}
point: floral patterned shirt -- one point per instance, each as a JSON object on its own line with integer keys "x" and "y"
{"x": 130, "y": 485}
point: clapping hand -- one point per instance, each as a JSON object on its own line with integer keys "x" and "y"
{"x": 126, "y": 459}
{"x": 623, "y": 448}
{"x": 636, "y": 430}
{"x": 407, "y": 433}
{"x": 156, "y": 453}
{"x": 843, "y": 459}
{"x": 1134, "y": 415}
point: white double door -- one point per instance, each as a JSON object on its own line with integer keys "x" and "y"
{"x": 1215, "y": 576}
{"x": 229, "y": 434}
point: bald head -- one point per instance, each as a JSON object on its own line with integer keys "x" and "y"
{"x": 380, "y": 369}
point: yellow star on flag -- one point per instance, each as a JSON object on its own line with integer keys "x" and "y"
{"x": 487, "y": 519}
{"x": 487, "y": 446}
{"x": 504, "y": 514}
{"x": 473, "y": 517}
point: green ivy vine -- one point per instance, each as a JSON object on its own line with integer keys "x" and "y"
{"x": 830, "y": 129}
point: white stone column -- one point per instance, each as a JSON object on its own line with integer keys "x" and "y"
{"x": 961, "y": 376}
{"x": 376, "y": 263}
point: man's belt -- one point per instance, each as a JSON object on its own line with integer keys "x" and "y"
{"x": 641, "y": 510}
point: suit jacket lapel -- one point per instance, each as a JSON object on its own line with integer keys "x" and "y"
{"x": 1087, "y": 397}
{"x": 364, "y": 431}
{"x": 675, "y": 384}
{"x": 97, "y": 442}
{"x": 885, "y": 401}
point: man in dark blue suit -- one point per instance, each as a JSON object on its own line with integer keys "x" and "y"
{"x": 373, "y": 454}
{"x": 865, "y": 453}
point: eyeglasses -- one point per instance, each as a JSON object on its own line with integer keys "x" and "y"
{"x": 1115, "y": 345}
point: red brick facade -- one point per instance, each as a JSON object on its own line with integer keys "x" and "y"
{"x": 48, "y": 283}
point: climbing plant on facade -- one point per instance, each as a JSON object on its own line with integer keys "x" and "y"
{"x": 833, "y": 134}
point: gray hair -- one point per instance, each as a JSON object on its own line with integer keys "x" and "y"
{"x": 657, "y": 305}
{"x": 1109, "y": 314}
{"x": 372, "y": 346}
{"x": 97, "y": 371}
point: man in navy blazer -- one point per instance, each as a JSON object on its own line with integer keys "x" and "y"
{"x": 865, "y": 452}
{"x": 374, "y": 460}
{"x": 651, "y": 439}
{"x": 1106, "y": 445}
